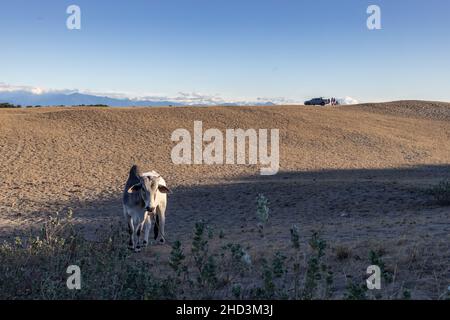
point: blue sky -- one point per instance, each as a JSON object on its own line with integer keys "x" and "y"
{"x": 235, "y": 49}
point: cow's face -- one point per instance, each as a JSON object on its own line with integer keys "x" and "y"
{"x": 148, "y": 189}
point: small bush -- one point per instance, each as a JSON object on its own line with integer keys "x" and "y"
{"x": 295, "y": 237}
{"x": 267, "y": 291}
{"x": 9, "y": 106}
{"x": 176, "y": 258}
{"x": 375, "y": 259}
{"x": 237, "y": 291}
{"x": 356, "y": 292}
{"x": 317, "y": 270}
{"x": 342, "y": 253}
{"x": 262, "y": 213}
{"x": 441, "y": 192}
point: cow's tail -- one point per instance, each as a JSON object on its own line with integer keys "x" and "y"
{"x": 156, "y": 227}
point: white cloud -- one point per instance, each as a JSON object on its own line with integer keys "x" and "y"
{"x": 188, "y": 98}
{"x": 347, "y": 100}
{"x": 279, "y": 100}
{"x": 4, "y": 87}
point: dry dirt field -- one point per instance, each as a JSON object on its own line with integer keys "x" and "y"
{"x": 359, "y": 174}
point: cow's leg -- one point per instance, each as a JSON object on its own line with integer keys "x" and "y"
{"x": 156, "y": 226}
{"x": 147, "y": 227}
{"x": 161, "y": 212}
{"x": 131, "y": 243}
{"x": 138, "y": 237}
{"x": 142, "y": 228}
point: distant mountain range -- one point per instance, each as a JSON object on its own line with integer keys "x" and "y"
{"x": 27, "y": 98}
{"x": 35, "y": 96}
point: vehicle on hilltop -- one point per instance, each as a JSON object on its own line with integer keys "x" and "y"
{"x": 321, "y": 102}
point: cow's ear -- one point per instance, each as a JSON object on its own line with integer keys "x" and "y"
{"x": 164, "y": 189}
{"x": 135, "y": 188}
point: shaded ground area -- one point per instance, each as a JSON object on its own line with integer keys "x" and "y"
{"x": 327, "y": 198}
{"x": 358, "y": 210}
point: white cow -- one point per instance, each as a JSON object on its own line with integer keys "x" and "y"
{"x": 144, "y": 202}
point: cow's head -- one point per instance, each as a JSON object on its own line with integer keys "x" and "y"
{"x": 148, "y": 188}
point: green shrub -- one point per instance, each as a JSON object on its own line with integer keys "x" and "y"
{"x": 317, "y": 270}
{"x": 9, "y": 106}
{"x": 262, "y": 212}
{"x": 375, "y": 259}
{"x": 342, "y": 253}
{"x": 295, "y": 237}
{"x": 355, "y": 291}
{"x": 176, "y": 258}
{"x": 441, "y": 192}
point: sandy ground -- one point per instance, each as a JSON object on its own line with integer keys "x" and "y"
{"x": 357, "y": 173}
